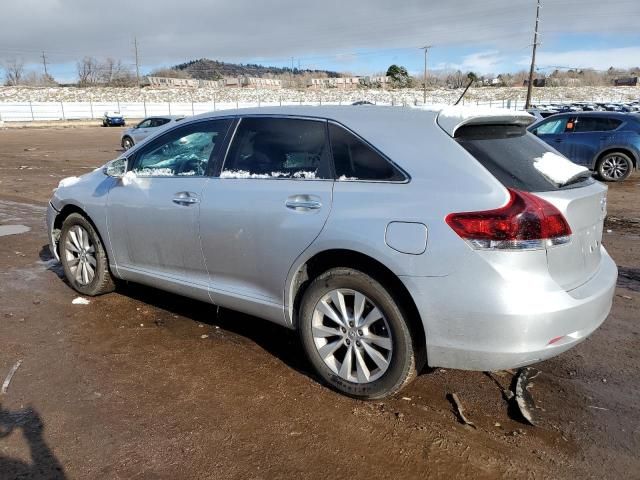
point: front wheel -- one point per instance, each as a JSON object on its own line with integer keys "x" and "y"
{"x": 83, "y": 257}
{"x": 614, "y": 167}
{"x": 127, "y": 143}
{"x": 355, "y": 335}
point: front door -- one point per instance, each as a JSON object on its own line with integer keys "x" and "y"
{"x": 270, "y": 201}
{"x": 153, "y": 211}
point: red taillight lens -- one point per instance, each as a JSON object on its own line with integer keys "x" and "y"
{"x": 526, "y": 221}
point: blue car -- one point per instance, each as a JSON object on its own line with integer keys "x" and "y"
{"x": 113, "y": 119}
{"x": 605, "y": 142}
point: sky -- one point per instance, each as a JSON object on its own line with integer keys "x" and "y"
{"x": 357, "y": 36}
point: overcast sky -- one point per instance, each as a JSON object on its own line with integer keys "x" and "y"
{"x": 486, "y": 36}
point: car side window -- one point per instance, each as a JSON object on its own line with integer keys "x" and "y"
{"x": 353, "y": 159}
{"x": 554, "y": 126}
{"x": 145, "y": 123}
{"x": 185, "y": 151}
{"x": 268, "y": 147}
{"x": 158, "y": 122}
{"x": 596, "y": 124}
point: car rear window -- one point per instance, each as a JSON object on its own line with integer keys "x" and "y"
{"x": 509, "y": 152}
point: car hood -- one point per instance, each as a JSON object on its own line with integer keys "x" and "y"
{"x": 77, "y": 187}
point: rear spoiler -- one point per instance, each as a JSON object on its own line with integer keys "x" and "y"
{"x": 452, "y": 118}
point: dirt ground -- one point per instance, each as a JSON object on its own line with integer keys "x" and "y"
{"x": 143, "y": 384}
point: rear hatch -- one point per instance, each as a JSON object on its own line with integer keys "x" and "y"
{"x": 510, "y": 154}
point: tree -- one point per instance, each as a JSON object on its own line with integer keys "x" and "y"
{"x": 14, "y": 72}
{"x": 399, "y": 76}
{"x": 87, "y": 71}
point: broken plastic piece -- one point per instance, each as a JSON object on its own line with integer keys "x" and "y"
{"x": 524, "y": 400}
{"x": 460, "y": 410}
{"x": 7, "y": 381}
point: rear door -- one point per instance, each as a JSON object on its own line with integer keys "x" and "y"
{"x": 270, "y": 201}
{"x": 590, "y": 135}
{"x": 143, "y": 130}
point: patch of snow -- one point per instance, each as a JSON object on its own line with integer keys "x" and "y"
{"x": 245, "y": 174}
{"x": 155, "y": 172}
{"x": 129, "y": 178}
{"x": 344, "y": 178}
{"x": 67, "y": 182}
{"x": 304, "y": 174}
{"x": 187, "y": 174}
{"x": 557, "y": 169}
{"x": 80, "y": 301}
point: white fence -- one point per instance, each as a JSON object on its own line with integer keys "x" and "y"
{"x": 43, "y": 111}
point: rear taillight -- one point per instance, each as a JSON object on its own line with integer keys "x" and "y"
{"x": 525, "y": 222}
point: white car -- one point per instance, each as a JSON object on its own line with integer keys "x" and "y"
{"x": 146, "y": 127}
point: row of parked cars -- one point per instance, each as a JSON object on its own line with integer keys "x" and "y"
{"x": 545, "y": 110}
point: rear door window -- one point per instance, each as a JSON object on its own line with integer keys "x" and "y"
{"x": 354, "y": 159}
{"x": 271, "y": 147}
{"x": 596, "y": 124}
{"x": 509, "y": 153}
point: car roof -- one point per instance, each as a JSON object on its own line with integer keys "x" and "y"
{"x": 370, "y": 118}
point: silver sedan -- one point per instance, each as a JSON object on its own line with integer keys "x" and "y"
{"x": 389, "y": 237}
{"x": 145, "y": 128}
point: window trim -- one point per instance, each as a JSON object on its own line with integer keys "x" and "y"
{"x": 132, "y": 159}
{"x": 216, "y": 174}
{"x": 407, "y": 177}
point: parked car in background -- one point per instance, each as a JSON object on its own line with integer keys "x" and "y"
{"x": 539, "y": 114}
{"x": 387, "y": 237}
{"x": 112, "y": 119}
{"x": 146, "y": 127}
{"x": 605, "y": 142}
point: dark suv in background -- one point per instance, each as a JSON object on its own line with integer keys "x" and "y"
{"x": 606, "y": 142}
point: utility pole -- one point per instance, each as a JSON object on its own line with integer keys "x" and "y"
{"x": 44, "y": 62}
{"x": 424, "y": 88}
{"x": 527, "y": 103}
{"x": 135, "y": 48}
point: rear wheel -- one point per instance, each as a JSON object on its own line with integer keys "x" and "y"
{"x": 355, "y": 335}
{"x": 614, "y": 167}
{"x": 83, "y": 257}
{"x": 127, "y": 143}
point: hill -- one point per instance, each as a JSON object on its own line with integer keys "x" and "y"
{"x": 205, "y": 69}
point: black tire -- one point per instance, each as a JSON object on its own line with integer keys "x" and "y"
{"x": 102, "y": 281}
{"x": 127, "y": 143}
{"x": 614, "y": 167}
{"x": 402, "y": 363}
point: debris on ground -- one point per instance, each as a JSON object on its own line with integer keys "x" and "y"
{"x": 204, "y": 336}
{"x": 7, "y": 381}
{"x": 506, "y": 393}
{"x": 524, "y": 400}
{"x": 597, "y": 408}
{"x": 80, "y": 301}
{"x": 460, "y": 410}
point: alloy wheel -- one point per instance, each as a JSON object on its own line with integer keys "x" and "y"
{"x": 614, "y": 167}
{"x": 80, "y": 254}
{"x": 352, "y": 336}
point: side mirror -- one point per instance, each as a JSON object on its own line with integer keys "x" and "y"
{"x": 116, "y": 168}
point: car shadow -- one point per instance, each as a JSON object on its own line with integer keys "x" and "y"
{"x": 44, "y": 464}
{"x": 279, "y": 341}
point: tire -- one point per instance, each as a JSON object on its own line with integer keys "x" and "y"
{"x": 320, "y": 333}
{"x": 80, "y": 244}
{"x": 614, "y": 167}
{"x": 127, "y": 143}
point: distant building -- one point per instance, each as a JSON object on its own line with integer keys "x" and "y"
{"x": 255, "y": 82}
{"x": 626, "y": 82}
{"x": 537, "y": 82}
{"x": 347, "y": 82}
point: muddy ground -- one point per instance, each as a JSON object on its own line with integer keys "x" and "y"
{"x": 144, "y": 384}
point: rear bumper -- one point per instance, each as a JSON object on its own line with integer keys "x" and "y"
{"x": 484, "y": 326}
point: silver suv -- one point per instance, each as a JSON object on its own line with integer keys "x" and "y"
{"x": 389, "y": 237}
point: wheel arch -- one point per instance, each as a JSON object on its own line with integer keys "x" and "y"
{"x": 62, "y": 216}
{"x": 327, "y": 259}
{"x": 125, "y": 137}
{"x": 616, "y": 148}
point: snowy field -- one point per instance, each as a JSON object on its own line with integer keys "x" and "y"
{"x": 59, "y": 103}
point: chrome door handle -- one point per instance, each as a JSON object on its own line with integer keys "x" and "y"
{"x": 185, "y": 198}
{"x": 302, "y": 205}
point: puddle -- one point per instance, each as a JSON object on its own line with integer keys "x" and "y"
{"x": 13, "y": 229}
